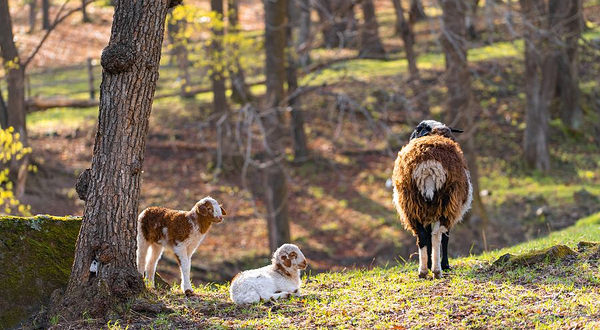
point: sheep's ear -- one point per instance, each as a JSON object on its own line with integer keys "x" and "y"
{"x": 223, "y": 210}
{"x": 287, "y": 262}
{"x": 455, "y": 130}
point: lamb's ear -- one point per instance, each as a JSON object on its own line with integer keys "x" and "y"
{"x": 455, "y": 130}
{"x": 223, "y": 210}
{"x": 286, "y": 261}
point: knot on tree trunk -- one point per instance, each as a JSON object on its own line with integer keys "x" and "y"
{"x": 83, "y": 183}
{"x": 125, "y": 283}
{"x": 118, "y": 57}
{"x": 135, "y": 167}
{"x": 174, "y": 3}
{"x": 104, "y": 253}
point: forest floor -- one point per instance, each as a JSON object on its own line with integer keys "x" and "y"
{"x": 341, "y": 210}
{"x": 478, "y": 293}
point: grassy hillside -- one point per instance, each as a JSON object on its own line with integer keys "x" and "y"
{"x": 474, "y": 295}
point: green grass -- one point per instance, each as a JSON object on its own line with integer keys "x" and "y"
{"x": 474, "y": 295}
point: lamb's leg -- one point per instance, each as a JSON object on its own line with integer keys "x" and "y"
{"x": 156, "y": 251}
{"x": 185, "y": 265}
{"x": 281, "y": 294}
{"x": 437, "y": 232}
{"x": 445, "y": 263}
{"x": 142, "y": 249}
{"x": 423, "y": 237}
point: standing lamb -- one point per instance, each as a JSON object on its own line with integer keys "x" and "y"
{"x": 279, "y": 279}
{"x": 182, "y": 231}
{"x": 432, "y": 191}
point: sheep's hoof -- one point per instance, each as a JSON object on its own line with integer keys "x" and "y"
{"x": 422, "y": 274}
{"x": 189, "y": 293}
{"x": 437, "y": 274}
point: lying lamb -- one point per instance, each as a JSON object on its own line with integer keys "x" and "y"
{"x": 182, "y": 231}
{"x": 281, "y": 279}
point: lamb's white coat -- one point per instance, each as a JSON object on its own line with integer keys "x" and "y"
{"x": 270, "y": 282}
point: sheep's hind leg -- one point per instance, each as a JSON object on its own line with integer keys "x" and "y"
{"x": 437, "y": 232}
{"x": 445, "y": 263}
{"x": 423, "y": 240}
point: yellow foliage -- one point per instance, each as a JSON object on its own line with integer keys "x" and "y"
{"x": 11, "y": 146}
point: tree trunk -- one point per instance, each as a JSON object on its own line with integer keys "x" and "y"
{"x": 471, "y": 17}
{"x": 338, "y": 23}
{"x": 538, "y": 86}
{"x": 180, "y": 53}
{"x": 15, "y": 77}
{"x": 86, "y": 18}
{"x": 32, "y": 14}
{"x": 3, "y": 112}
{"x": 46, "y": 14}
{"x": 408, "y": 37}
{"x": 417, "y": 11}
{"x": 304, "y": 37}
{"x": 461, "y": 106}
{"x": 274, "y": 178}
{"x": 565, "y": 20}
{"x": 370, "y": 44}
{"x": 218, "y": 61}
{"x": 240, "y": 92}
{"x": 108, "y": 233}
{"x": 300, "y": 148}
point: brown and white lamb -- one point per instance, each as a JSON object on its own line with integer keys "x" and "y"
{"x": 182, "y": 231}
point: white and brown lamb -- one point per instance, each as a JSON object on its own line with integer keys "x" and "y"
{"x": 182, "y": 231}
{"x": 280, "y": 279}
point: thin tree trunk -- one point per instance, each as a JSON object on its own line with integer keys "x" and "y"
{"x": 218, "y": 80}
{"x": 471, "y": 17}
{"x": 417, "y": 11}
{"x": 240, "y": 92}
{"x": 32, "y": 14}
{"x": 405, "y": 30}
{"x": 565, "y": 20}
{"x": 180, "y": 53}
{"x": 15, "y": 77}
{"x": 461, "y": 105}
{"x": 304, "y": 38}
{"x": 300, "y": 148}
{"x": 538, "y": 86}
{"x": 45, "y": 14}
{"x": 371, "y": 44}
{"x": 274, "y": 178}
{"x": 86, "y": 18}
{"x": 108, "y": 233}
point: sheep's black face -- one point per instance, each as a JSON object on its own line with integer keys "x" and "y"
{"x": 432, "y": 127}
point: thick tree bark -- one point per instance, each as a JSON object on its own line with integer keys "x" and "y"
{"x": 565, "y": 19}
{"x": 417, "y": 11}
{"x": 338, "y": 23}
{"x": 300, "y": 147}
{"x": 240, "y": 91}
{"x": 15, "y": 77}
{"x": 45, "y": 14}
{"x": 107, "y": 238}
{"x": 32, "y": 14}
{"x": 540, "y": 85}
{"x": 218, "y": 62}
{"x": 274, "y": 178}
{"x": 371, "y": 45}
{"x": 460, "y": 109}
{"x": 180, "y": 53}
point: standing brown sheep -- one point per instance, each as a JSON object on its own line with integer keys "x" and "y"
{"x": 432, "y": 191}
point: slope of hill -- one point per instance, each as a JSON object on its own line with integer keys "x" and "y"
{"x": 550, "y": 294}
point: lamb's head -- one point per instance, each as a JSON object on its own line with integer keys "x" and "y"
{"x": 432, "y": 127}
{"x": 290, "y": 257}
{"x": 209, "y": 208}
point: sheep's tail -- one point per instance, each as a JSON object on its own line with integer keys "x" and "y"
{"x": 429, "y": 177}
